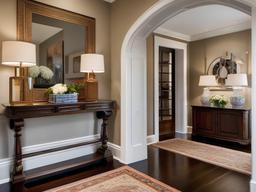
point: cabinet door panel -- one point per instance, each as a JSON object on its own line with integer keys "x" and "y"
{"x": 230, "y": 124}
{"x": 204, "y": 121}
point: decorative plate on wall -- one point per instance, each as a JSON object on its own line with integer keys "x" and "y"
{"x": 221, "y": 67}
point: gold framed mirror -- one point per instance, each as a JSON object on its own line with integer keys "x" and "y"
{"x": 60, "y": 36}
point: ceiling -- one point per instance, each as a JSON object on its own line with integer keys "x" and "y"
{"x": 204, "y": 22}
{"x": 42, "y": 32}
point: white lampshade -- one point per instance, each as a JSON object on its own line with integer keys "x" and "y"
{"x": 92, "y": 63}
{"x": 237, "y": 80}
{"x": 207, "y": 81}
{"x": 18, "y": 53}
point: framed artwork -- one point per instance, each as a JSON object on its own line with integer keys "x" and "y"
{"x": 221, "y": 67}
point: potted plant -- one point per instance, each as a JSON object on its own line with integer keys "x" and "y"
{"x": 219, "y": 100}
{"x": 62, "y": 93}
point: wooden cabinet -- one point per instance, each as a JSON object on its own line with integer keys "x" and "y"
{"x": 230, "y": 124}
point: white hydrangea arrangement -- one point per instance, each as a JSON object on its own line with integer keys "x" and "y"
{"x": 219, "y": 100}
{"x": 64, "y": 89}
{"x": 45, "y": 72}
{"x": 34, "y": 71}
{"x": 59, "y": 88}
{"x": 41, "y": 71}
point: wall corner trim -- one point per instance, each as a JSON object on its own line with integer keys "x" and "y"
{"x": 253, "y": 185}
{"x": 151, "y": 139}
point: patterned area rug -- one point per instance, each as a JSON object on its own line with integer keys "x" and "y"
{"x": 223, "y": 157}
{"x": 124, "y": 179}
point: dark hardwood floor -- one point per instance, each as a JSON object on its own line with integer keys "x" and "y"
{"x": 187, "y": 174}
{"x": 181, "y": 172}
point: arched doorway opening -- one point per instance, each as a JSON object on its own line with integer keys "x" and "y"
{"x": 133, "y": 73}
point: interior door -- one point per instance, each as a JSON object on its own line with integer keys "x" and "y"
{"x": 166, "y": 93}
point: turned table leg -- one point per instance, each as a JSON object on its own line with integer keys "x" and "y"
{"x": 104, "y": 115}
{"x": 18, "y": 178}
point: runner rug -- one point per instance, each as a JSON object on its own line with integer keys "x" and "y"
{"x": 220, "y": 156}
{"x": 124, "y": 179}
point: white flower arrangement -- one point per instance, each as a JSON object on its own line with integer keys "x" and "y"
{"x": 42, "y": 71}
{"x": 219, "y": 100}
{"x": 34, "y": 71}
{"x": 46, "y": 73}
{"x": 59, "y": 88}
{"x": 62, "y": 93}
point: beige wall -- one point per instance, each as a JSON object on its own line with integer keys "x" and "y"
{"x": 56, "y": 128}
{"x": 123, "y": 14}
{"x": 7, "y": 32}
{"x": 204, "y": 51}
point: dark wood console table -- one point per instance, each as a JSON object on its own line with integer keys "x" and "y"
{"x": 18, "y": 112}
{"x": 229, "y": 124}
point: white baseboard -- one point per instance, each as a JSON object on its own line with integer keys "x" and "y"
{"x": 116, "y": 150}
{"x": 252, "y": 185}
{"x": 55, "y": 157}
{"x": 181, "y": 132}
{"x": 151, "y": 139}
{"x": 189, "y": 128}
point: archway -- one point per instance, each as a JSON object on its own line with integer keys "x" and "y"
{"x": 133, "y": 73}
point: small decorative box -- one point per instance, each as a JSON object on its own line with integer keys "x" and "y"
{"x": 63, "y": 98}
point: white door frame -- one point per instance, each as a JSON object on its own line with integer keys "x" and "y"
{"x": 133, "y": 74}
{"x": 180, "y": 85}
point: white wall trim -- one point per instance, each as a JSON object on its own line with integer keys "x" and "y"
{"x": 180, "y": 84}
{"x": 151, "y": 139}
{"x": 253, "y": 96}
{"x": 116, "y": 150}
{"x": 222, "y": 31}
{"x": 173, "y": 34}
{"x": 55, "y": 157}
{"x": 55, "y": 144}
{"x": 209, "y": 34}
{"x": 252, "y": 185}
{"x": 189, "y": 128}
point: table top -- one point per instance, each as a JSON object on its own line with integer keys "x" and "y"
{"x": 41, "y": 109}
{"x": 244, "y": 108}
{"x": 32, "y": 104}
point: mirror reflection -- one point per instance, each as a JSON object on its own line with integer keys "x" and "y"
{"x": 59, "y": 46}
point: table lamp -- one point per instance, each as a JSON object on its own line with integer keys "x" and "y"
{"x": 18, "y": 54}
{"x": 91, "y": 63}
{"x": 207, "y": 81}
{"x": 237, "y": 81}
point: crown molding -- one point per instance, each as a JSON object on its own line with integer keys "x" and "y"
{"x": 206, "y": 35}
{"x": 222, "y": 31}
{"x": 173, "y": 34}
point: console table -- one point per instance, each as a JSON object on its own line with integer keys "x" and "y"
{"x": 230, "y": 124}
{"x": 18, "y": 112}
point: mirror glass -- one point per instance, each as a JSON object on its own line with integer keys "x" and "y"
{"x": 59, "y": 45}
